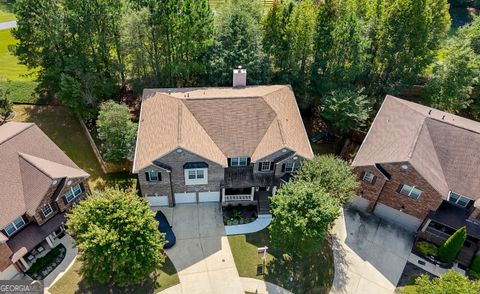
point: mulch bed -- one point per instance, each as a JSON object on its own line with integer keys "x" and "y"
{"x": 46, "y": 264}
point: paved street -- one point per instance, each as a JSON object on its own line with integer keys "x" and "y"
{"x": 370, "y": 254}
{"x": 202, "y": 253}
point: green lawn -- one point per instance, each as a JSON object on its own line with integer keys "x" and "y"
{"x": 314, "y": 274}
{"x": 15, "y": 76}
{"x": 6, "y": 11}
{"x": 71, "y": 282}
{"x": 65, "y": 130}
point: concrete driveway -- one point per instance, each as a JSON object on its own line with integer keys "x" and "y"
{"x": 370, "y": 254}
{"x": 202, "y": 254}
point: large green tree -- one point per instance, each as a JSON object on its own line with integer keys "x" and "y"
{"x": 345, "y": 109}
{"x": 117, "y": 131}
{"x": 332, "y": 174}
{"x": 238, "y": 42}
{"x": 451, "y": 282}
{"x": 302, "y": 213}
{"x": 174, "y": 40}
{"x": 117, "y": 237}
{"x": 451, "y": 83}
{"x": 75, "y": 47}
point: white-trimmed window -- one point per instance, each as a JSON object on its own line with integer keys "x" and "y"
{"x": 238, "y": 161}
{"x": 47, "y": 210}
{"x": 14, "y": 226}
{"x": 292, "y": 166}
{"x": 459, "y": 199}
{"x": 410, "y": 191}
{"x": 153, "y": 176}
{"x": 264, "y": 166}
{"x": 73, "y": 193}
{"x": 198, "y": 176}
{"x": 368, "y": 177}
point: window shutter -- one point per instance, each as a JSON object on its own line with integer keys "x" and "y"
{"x": 159, "y": 176}
{"x": 248, "y": 161}
{"x": 283, "y": 167}
{"x": 272, "y": 165}
{"x": 362, "y": 175}
{"x": 374, "y": 179}
{"x": 147, "y": 176}
{"x": 260, "y": 166}
{"x": 399, "y": 188}
{"x": 229, "y": 161}
{"x": 82, "y": 187}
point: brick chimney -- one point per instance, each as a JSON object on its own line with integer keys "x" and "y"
{"x": 239, "y": 77}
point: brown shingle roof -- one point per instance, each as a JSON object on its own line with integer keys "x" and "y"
{"x": 30, "y": 163}
{"x": 218, "y": 123}
{"x": 442, "y": 147}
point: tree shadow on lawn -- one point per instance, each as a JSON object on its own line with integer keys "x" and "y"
{"x": 313, "y": 274}
{"x": 152, "y": 285}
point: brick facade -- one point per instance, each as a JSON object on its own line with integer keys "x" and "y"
{"x": 430, "y": 199}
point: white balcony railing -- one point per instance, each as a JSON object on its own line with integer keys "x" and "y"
{"x": 240, "y": 197}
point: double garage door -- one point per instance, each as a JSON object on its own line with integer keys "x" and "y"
{"x": 192, "y": 197}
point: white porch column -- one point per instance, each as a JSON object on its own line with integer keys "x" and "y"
{"x": 49, "y": 241}
{"x": 274, "y": 190}
{"x": 427, "y": 223}
{"x": 223, "y": 194}
{"x": 24, "y": 263}
{"x": 251, "y": 195}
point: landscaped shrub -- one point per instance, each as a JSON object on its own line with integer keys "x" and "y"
{"x": 475, "y": 268}
{"x": 427, "y": 248}
{"x": 449, "y": 250}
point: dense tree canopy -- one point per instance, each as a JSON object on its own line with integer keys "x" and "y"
{"x": 6, "y": 105}
{"x": 451, "y": 282}
{"x": 117, "y": 131}
{"x": 117, "y": 237}
{"x": 238, "y": 42}
{"x": 331, "y": 174}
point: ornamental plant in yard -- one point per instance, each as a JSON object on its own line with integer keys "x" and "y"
{"x": 6, "y": 105}
{"x": 117, "y": 131}
{"x": 332, "y": 174}
{"x": 449, "y": 250}
{"x": 117, "y": 238}
{"x": 451, "y": 283}
{"x": 302, "y": 214}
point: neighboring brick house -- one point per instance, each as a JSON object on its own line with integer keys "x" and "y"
{"x": 39, "y": 183}
{"x": 420, "y": 167}
{"x": 230, "y": 145}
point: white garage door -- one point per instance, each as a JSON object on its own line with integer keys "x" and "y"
{"x": 158, "y": 200}
{"x": 360, "y": 203}
{"x": 397, "y": 217}
{"x": 8, "y": 273}
{"x": 209, "y": 197}
{"x": 185, "y": 198}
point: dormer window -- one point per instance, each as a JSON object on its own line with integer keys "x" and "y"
{"x": 73, "y": 193}
{"x": 459, "y": 199}
{"x": 238, "y": 161}
{"x": 14, "y": 226}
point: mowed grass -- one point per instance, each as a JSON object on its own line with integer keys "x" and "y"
{"x": 6, "y": 11}
{"x": 65, "y": 130}
{"x": 72, "y": 282}
{"x": 20, "y": 81}
{"x": 314, "y": 274}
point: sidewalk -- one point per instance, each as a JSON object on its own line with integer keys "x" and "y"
{"x": 261, "y": 287}
{"x": 67, "y": 262}
{"x": 259, "y": 224}
{"x": 8, "y": 25}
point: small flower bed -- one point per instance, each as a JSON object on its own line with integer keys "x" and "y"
{"x": 427, "y": 248}
{"x": 237, "y": 215}
{"x": 46, "y": 264}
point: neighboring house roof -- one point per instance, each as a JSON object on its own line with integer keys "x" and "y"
{"x": 217, "y": 123}
{"x": 441, "y": 146}
{"x": 30, "y": 164}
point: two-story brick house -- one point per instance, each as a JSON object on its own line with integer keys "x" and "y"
{"x": 420, "y": 167}
{"x": 230, "y": 145}
{"x": 39, "y": 183}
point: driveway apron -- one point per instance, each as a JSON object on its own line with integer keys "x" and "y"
{"x": 202, "y": 254}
